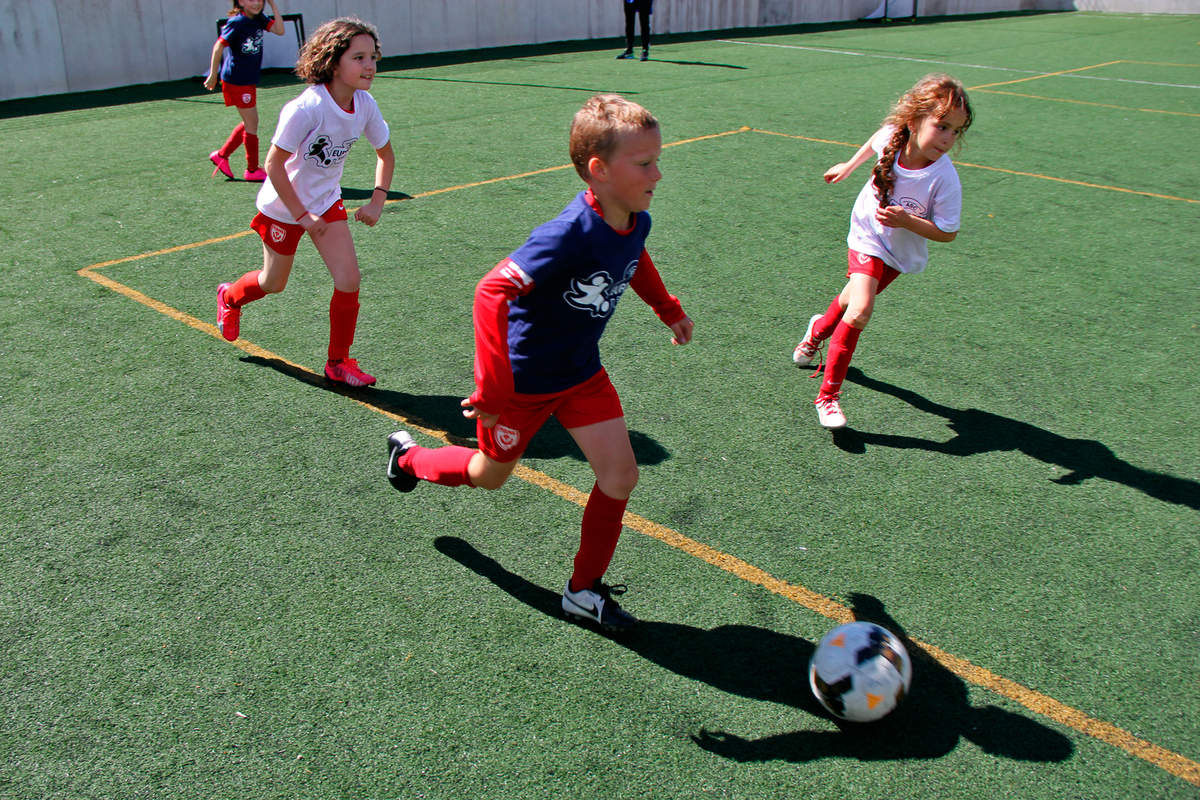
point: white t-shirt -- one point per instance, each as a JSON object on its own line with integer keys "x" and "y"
{"x": 932, "y": 193}
{"x": 318, "y": 133}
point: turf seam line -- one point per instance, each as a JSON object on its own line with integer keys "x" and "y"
{"x": 1174, "y": 763}
{"x": 1087, "y": 103}
{"x": 1033, "y": 72}
{"x": 1020, "y": 173}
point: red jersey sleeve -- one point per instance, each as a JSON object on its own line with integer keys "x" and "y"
{"x": 649, "y": 286}
{"x": 493, "y": 369}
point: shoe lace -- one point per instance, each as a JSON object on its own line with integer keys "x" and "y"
{"x": 829, "y": 403}
{"x": 819, "y": 354}
{"x": 607, "y": 592}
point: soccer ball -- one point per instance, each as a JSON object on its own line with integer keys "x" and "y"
{"x": 860, "y": 672}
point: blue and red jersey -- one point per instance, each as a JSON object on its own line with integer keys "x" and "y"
{"x": 241, "y": 64}
{"x": 539, "y": 313}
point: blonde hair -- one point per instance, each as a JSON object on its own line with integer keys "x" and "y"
{"x": 328, "y": 44}
{"x": 598, "y": 127}
{"x": 936, "y": 95}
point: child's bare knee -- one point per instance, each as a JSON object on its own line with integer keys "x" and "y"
{"x": 857, "y": 317}
{"x": 619, "y": 483}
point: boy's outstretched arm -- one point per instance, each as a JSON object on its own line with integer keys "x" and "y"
{"x": 493, "y": 370}
{"x": 649, "y": 286}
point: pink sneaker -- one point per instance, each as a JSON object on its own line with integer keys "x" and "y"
{"x": 829, "y": 412}
{"x": 222, "y": 164}
{"x": 346, "y": 371}
{"x": 228, "y": 318}
{"x": 257, "y": 175}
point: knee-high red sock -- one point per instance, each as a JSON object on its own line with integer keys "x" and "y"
{"x": 826, "y": 324}
{"x": 446, "y": 466}
{"x": 251, "y": 142}
{"x": 598, "y": 538}
{"x": 343, "y": 319}
{"x": 841, "y": 350}
{"x": 234, "y": 141}
{"x": 244, "y": 290}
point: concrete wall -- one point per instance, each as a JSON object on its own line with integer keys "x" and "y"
{"x": 80, "y": 45}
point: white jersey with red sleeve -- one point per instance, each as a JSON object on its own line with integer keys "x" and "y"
{"x": 319, "y": 133}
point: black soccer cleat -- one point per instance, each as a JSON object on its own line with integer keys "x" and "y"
{"x": 399, "y": 444}
{"x": 597, "y": 604}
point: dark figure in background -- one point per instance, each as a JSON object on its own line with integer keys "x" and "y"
{"x": 642, "y": 9}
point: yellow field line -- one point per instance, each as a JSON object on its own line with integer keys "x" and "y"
{"x": 1037, "y": 175}
{"x": 1045, "y": 75}
{"x": 1090, "y": 103}
{"x": 1171, "y": 762}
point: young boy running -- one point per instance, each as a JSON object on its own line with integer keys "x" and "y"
{"x": 539, "y": 315}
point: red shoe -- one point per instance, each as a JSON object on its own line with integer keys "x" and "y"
{"x": 346, "y": 371}
{"x": 228, "y": 318}
{"x": 222, "y": 164}
{"x": 257, "y": 175}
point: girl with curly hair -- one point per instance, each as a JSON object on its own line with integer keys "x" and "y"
{"x": 913, "y": 197}
{"x": 302, "y": 193}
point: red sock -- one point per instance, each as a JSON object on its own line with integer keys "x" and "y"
{"x": 598, "y": 538}
{"x": 446, "y": 466}
{"x": 343, "y": 319}
{"x": 251, "y": 142}
{"x": 234, "y": 141}
{"x": 244, "y": 290}
{"x": 826, "y": 324}
{"x": 841, "y": 350}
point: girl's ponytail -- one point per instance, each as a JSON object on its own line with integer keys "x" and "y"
{"x": 884, "y": 177}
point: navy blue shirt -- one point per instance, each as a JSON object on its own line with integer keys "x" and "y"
{"x": 580, "y": 267}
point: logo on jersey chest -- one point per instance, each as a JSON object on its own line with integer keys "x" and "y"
{"x": 252, "y": 44}
{"x": 598, "y": 294}
{"x": 912, "y": 206}
{"x": 325, "y": 153}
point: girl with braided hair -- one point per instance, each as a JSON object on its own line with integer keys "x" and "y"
{"x": 912, "y": 197}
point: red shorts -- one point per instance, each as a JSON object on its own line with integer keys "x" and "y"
{"x": 284, "y": 237}
{"x": 594, "y": 400}
{"x": 863, "y": 264}
{"x": 240, "y": 96}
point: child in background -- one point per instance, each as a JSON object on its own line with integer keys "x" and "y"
{"x": 641, "y": 9}
{"x": 913, "y": 196}
{"x": 539, "y": 315}
{"x": 303, "y": 192}
{"x": 238, "y": 55}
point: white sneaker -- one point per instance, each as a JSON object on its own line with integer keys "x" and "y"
{"x": 829, "y": 412}
{"x": 808, "y": 348}
{"x": 598, "y": 605}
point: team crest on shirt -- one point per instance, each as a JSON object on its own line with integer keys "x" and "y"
{"x": 507, "y": 437}
{"x": 912, "y": 206}
{"x": 598, "y": 294}
{"x": 325, "y": 153}
{"x": 252, "y": 44}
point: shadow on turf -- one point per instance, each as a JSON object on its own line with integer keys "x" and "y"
{"x": 443, "y": 413}
{"x": 983, "y": 432}
{"x": 760, "y": 664}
